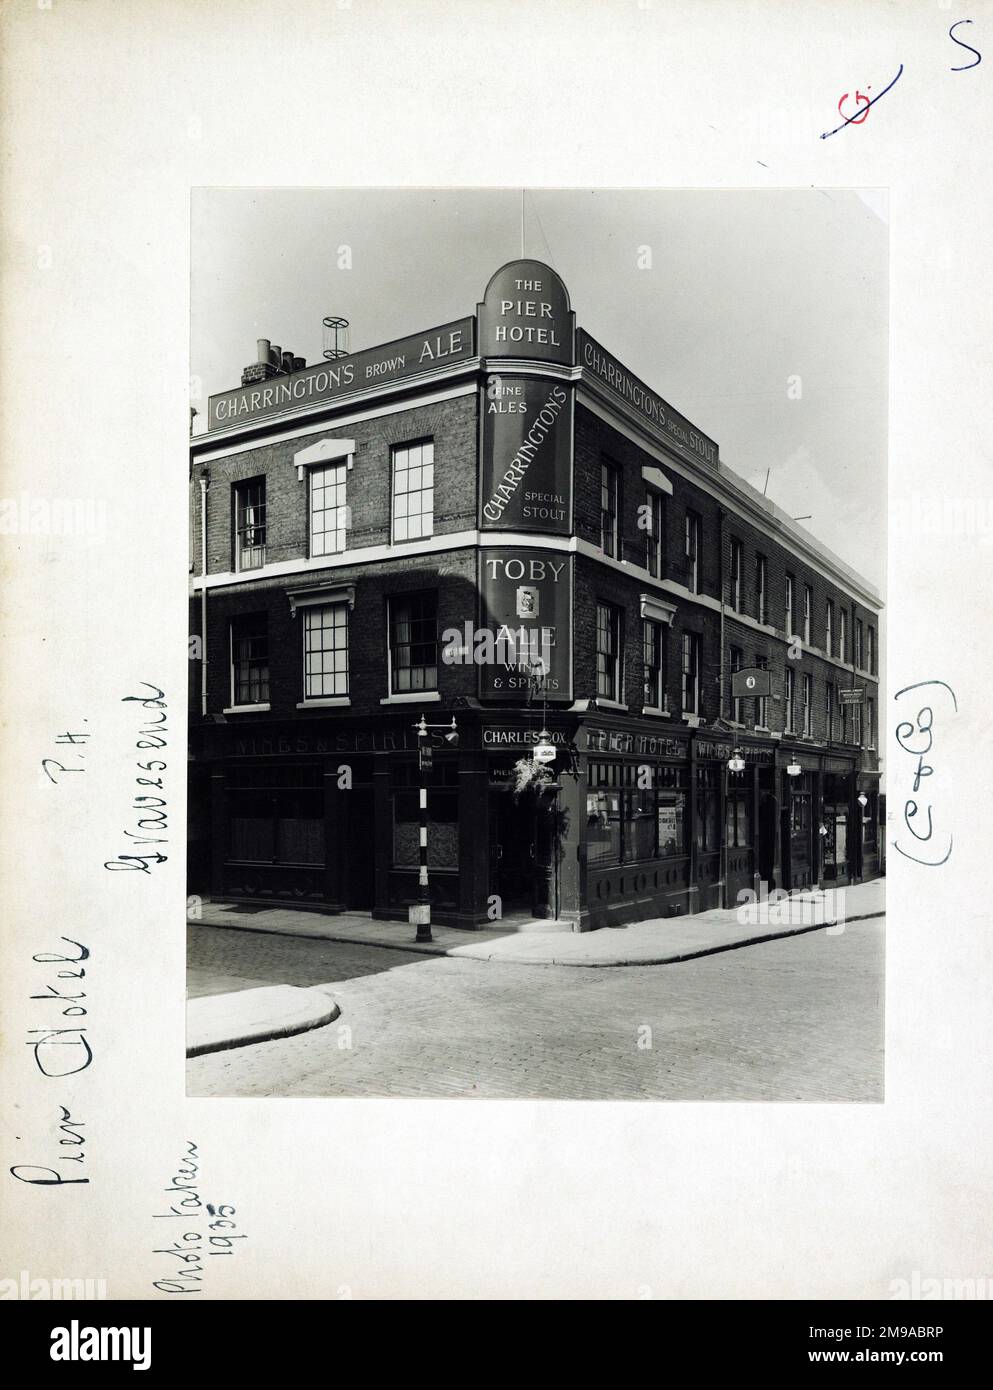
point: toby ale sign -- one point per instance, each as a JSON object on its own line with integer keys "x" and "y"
{"x": 525, "y": 599}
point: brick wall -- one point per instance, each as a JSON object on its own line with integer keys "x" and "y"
{"x": 453, "y": 426}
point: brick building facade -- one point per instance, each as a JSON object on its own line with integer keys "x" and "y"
{"x": 349, "y": 520}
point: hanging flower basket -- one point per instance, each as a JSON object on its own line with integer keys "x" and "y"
{"x": 528, "y": 773}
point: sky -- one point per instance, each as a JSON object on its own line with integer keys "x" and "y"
{"x": 759, "y": 315}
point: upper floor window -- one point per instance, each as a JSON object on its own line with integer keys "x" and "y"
{"x": 250, "y": 659}
{"x": 413, "y": 621}
{"x": 790, "y": 604}
{"x": 760, "y": 588}
{"x": 413, "y": 491}
{"x": 859, "y": 645}
{"x": 653, "y": 663}
{"x": 693, "y": 552}
{"x": 808, "y": 603}
{"x": 808, "y": 703}
{"x": 829, "y": 628}
{"x": 325, "y": 648}
{"x": 250, "y": 524}
{"x": 737, "y": 661}
{"x": 829, "y": 700}
{"x": 328, "y": 512}
{"x": 608, "y": 651}
{"x": 653, "y": 533}
{"x": 857, "y": 724}
{"x": 790, "y": 698}
{"x": 735, "y": 576}
{"x": 762, "y": 701}
{"x": 870, "y": 651}
{"x": 691, "y": 673}
{"x": 870, "y": 720}
{"x": 842, "y": 633}
{"x": 609, "y": 518}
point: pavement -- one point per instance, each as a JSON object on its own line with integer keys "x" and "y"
{"x": 794, "y": 1019}
{"x": 242, "y": 1015}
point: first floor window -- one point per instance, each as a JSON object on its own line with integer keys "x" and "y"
{"x": 829, "y": 699}
{"x": 413, "y": 643}
{"x": 693, "y": 552}
{"x": 325, "y": 639}
{"x": 870, "y": 720}
{"x": 250, "y": 524}
{"x": 608, "y": 651}
{"x": 808, "y": 700}
{"x": 413, "y": 491}
{"x": 250, "y": 660}
{"x": 829, "y": 628}
{"x": 857, "y": 724}
{"x": 761, "y": 702}
{"x": 736, "y": 662}
{"x": 653, "y": 533}
{"x": 609, "y": 510}
{"x": 653, "y": 663}
{"x": 760, "y": 588}
{"x": 790, "y": 697}
{"x": 328, "y": 512}
{"x": 691, "y": 673}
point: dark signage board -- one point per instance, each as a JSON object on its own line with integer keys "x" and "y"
{"x": 526, "y": 455}
{"x": 525, "y": 313}
{"x": 850, "y": 697}
{"x": 751, "y": 682}
{"x": 674, "y": 428}
{"x": 451, "y": 343}
{"x": 525, "y": 608}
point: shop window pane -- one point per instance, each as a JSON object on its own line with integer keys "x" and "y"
{"x": 672, "y": 823}
{"x": 603, "y": 830}
{"x": 639, "y": 825}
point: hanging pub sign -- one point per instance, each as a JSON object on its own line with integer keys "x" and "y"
{"x": 751, "y": 682}
{"x": 524, "y": 644}
{"x": 525, "y": 313}
{"x": 526, "y": 455}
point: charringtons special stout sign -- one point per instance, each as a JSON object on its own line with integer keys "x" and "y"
{"x": 405, "y": 357}
{"x": 525, "y": 608}
{"x": 525, "y": 313}
{"x": 526, "y": 455}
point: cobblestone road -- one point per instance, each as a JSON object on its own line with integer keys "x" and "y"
{"x": 799, "y": 1019}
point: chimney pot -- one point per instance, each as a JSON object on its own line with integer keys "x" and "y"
{"x": 299, "y": 363}
{"x": 287, "y": 361}
{"x": 263, "y": 350}
{"x": 275, "y": 355}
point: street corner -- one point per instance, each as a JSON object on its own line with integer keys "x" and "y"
{"x": 220, "y": 1021}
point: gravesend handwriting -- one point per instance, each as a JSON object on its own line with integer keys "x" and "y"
{"x": 151, "y": 821}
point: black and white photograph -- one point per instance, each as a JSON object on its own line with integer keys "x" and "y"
{"x": 496, "y": 530}
{"x": 537, "y": 553}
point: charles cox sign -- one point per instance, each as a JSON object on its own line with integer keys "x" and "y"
{"x": 525, "y": 624}
{"x": 376, "y": 366}
{"x": 526, "y": 455}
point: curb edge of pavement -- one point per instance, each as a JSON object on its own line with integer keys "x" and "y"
{"x": 269, "y": 1033}
{"x": 439, "y": 950}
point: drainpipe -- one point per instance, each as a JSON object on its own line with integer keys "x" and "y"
{"x": 204, "y": 484}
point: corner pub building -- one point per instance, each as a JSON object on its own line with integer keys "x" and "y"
{"x": 357, "y": 525}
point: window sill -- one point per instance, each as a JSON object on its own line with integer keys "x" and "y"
{"x": 246, "y": 709}
{"x": 330, "y": 702}
{"x": 658, "y": 713}
{"x": 413, "y": 697}
{"x": 603, "y": 703}
{"x": 693, "y": 720}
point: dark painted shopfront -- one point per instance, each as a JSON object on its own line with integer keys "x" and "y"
{"x": 631, "y": 823}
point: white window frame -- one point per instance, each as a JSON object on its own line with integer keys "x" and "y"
{"x": 395, "y": 451}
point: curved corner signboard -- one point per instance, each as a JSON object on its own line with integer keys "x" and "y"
{"x": 525, "y": 313}
{"x": 525, "y": 481}
{"x": 524, "y": 642}
{"x": 525, "y": 461}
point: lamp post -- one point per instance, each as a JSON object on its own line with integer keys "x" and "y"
{"x": 735, "y": 764}
{"x": 419, "y": 913}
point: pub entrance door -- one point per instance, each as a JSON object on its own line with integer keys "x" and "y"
{"x": 512, "y": 851}
{"x": 768, "y": 817}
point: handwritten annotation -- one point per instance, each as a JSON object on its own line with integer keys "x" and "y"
{"x": 916, "y": 737}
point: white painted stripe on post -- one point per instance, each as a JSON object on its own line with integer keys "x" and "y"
{"x": 424, "y": 834}
{"x": 424, "y": 798}
{"x": 422, "y": 877}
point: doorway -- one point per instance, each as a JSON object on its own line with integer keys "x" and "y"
{"x": 512, "y": 851}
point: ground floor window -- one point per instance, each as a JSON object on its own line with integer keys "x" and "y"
{"x": 738, "y": 818}
{"x": 276, "y": 815}
{"x": 708, "y": 796}
{"x": 442, "y": 817}
{"x": 635, "y": 812}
